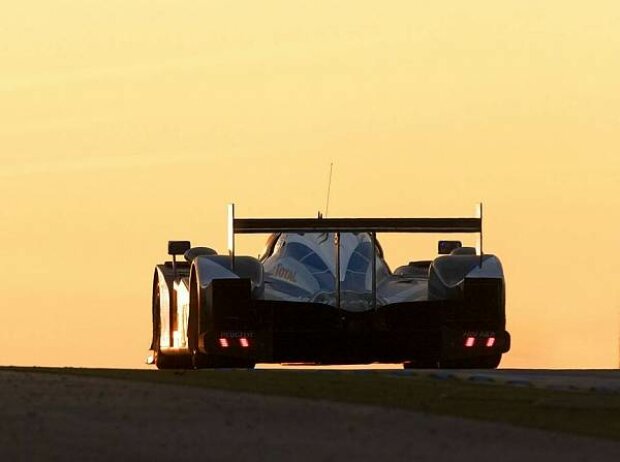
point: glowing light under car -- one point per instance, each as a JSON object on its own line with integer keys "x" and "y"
{"x": 179, "y": 334}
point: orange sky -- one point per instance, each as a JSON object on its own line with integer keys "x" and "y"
{"x": 128, "y": 123}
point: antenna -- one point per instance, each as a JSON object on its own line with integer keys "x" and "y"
{"x": 329, "y": 188}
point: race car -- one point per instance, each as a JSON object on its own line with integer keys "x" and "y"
{"x": 322, "y": 293}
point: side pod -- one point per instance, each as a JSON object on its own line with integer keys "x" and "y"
{"x": 447, "y": 274}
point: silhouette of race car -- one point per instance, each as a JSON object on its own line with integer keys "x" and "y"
{"x": 322, "y": 293}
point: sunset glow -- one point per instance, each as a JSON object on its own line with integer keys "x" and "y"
{"x": 125, "y": 124}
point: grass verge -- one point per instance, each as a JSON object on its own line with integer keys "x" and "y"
{"x": 584, "y": 413}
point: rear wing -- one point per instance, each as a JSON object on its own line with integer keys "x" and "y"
{"x": 346, "y": 225}
{"x": 351, "y": 225}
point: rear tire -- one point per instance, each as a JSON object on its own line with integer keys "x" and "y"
{"x": 164, "y": 361}
{"x": 200, "y": 360}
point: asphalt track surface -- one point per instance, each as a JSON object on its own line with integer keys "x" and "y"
{"x": 64, "y": 417}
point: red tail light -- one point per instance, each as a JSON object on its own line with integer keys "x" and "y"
{"x": 470, "y": 342}
{"x": 490, "y": 342}
{"x": 245, "y": 343}
{"x": 224, "y": 342}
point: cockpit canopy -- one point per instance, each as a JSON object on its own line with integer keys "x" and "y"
{"x": 272, "y": 241}
{"x": 311, "y": 258}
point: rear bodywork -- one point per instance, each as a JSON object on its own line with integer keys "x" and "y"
{"x": 322, "y": 293}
